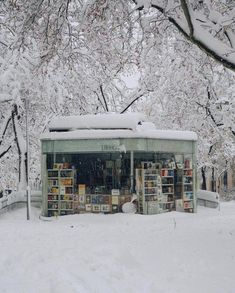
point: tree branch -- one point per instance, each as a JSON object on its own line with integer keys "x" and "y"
{"x": 100, "y": 100}
{"x": 4, "y": 152}
{"x": 5, "y": 129}
{"x": 14, "y": 113}
{"x": 105, "y": 102}
{"x": 191, "y": 37}
{"x": 5, "y": 45}
{"x": 201, "y": 45}
{"x": 137, "y": 98}
{"x": 208, "y": 111}
{"x": 187, "y": 16}
{"x": 228, "y": 37}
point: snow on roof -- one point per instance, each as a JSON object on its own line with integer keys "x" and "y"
{"x": 102, "y": 134}
{"x": 99, "y": 121}
{"x": 110, "y": 126}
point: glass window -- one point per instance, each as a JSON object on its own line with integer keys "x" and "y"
{"x": 100, "y": 172}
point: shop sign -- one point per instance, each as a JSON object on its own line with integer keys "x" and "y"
{"x": 107, "y": 147}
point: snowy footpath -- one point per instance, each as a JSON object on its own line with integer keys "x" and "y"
{"x": 171, "y": 253}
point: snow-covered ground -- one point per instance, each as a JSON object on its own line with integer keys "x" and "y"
{"x": 173, "y": 252}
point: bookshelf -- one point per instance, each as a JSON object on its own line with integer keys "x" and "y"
{"x": 60, "y": 197}
{"x": 148, "y": 187}
{"x": 167, "y": 176}
{"x": 188, "y": 189}
{"x": 67, "y": 181}
{"x": 53, "y": 193}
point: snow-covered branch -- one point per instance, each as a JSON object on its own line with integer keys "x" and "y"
{"x": 187, "y": 18}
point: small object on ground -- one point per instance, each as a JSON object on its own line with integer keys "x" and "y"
{"x": 129, "y": 208}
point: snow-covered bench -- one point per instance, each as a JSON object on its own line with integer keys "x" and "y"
{"x": 207, "y": 199}
{"x": 18, "y": 199}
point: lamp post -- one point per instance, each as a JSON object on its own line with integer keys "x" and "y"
{"x": 27, "y": 160}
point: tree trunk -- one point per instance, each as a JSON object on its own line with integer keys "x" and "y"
{"x": 203, "y": 171}
{"x": 20, "y": 143}
{"x": 213, "y": 185}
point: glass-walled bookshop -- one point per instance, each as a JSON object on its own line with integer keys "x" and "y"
{"x": 104, "y": 181}
{"x": 97, "y": 163}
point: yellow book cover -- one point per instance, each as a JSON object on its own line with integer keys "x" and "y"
{"x": 81, "y": 189}
{"x": 114, "y": 199}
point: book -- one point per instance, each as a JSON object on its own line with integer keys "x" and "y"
{"x": 81, "y": 189}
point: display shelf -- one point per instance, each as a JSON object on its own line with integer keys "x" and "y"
{"x": 188, "y": 192}
{"x": 148, "y": 188}
{"x": 52, "y": 173}
{"x": 60, "y": 195}
{"x": 166, "y": 172}
{"x": 167, "y": 182}
{"x": 53, "y": 192}
{"x": 168, "y": 189}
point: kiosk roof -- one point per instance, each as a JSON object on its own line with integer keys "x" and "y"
{"x": 101, "y": 126}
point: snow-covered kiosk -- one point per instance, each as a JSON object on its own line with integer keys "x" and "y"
{"x": 95, "y": 163}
